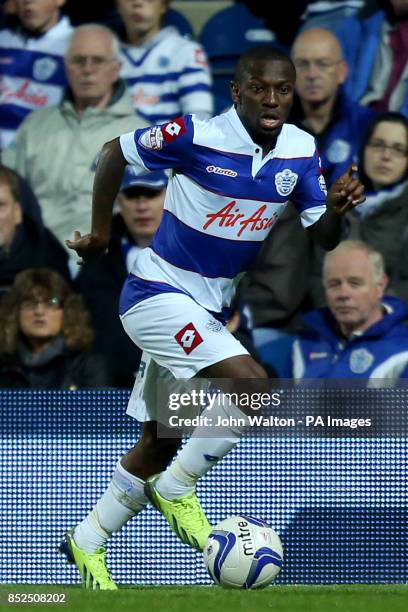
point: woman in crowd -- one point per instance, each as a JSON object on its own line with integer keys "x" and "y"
{"x": 45, "y": 336}
{"x": 382, "y": 220}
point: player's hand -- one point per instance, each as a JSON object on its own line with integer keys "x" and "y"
{"x": 346, "y": 193}
{"x": 88, "y": 246}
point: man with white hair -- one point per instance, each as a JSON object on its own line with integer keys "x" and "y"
{"x": 361, "y": 333}
{"x": 56, "y": 149}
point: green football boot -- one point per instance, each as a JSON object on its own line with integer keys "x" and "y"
{"x": 92, "y": 566}
{"x": 184, "y": 515}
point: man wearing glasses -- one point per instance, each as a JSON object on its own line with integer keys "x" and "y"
{"x": 56, "y": 149}
{"x": 322, "y": 107}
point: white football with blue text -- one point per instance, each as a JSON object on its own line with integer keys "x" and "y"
{"x": 243, "y": 552}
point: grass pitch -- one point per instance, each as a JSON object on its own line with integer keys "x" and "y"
{"x": 329, "y": 598}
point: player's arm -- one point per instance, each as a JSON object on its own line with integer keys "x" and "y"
{"x": 108, "y": 177}
{"x": 154, "y": 148}
{"x": 343, "y": 196}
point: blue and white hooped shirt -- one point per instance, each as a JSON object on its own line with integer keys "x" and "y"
{"x": 167, "y": 77}
{"x": 222, "y": 201}
{"x": 32, "y": 74}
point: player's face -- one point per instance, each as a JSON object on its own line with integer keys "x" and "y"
{"x": 264, "y": 97}
{"x": 142, "y": 213}
{"x": 319, "y": 67}
{"x": 386, "y": 154}
{"x": 91, "y": 68}
{"x": 40, "y": 317}
{"x": 38, "y": 15}
{"x": 10, "y": 215}
{"x": 142, "y": 16}
{"x": 352, "y": 293}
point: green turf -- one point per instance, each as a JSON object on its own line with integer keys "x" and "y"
{"x": 341, "y": 598}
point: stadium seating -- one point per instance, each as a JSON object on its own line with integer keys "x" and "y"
{"x": 224, "y": 37}
{"x": 178, "y": 20}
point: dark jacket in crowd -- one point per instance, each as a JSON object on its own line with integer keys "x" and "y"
{"x": 55, "y": 368}
{"x": 34, "y": 246}
{"x": 339, "y": 143}
{"x": 381, "y": 222}
{"x": 275, "y": 287}
{"x": 100, "y": 283}
{"x": 380, "y": 351}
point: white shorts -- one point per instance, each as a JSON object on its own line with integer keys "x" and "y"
{"x": 178, "y": 338}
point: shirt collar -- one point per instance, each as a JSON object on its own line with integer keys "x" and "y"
{"x": 239, "y": 128}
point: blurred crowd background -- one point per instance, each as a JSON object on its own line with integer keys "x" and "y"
{"x": 74, "y": 75}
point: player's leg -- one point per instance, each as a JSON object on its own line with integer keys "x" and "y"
{"x": 173, "y": 491}
{"x": 124, "y": 499}
{"x": 184, "y": 340}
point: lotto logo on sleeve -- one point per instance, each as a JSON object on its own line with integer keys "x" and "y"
{"x": 188, "y": 338}
{"x": 173, "y": 130}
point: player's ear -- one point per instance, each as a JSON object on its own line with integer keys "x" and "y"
{"x": 235, "y": 92}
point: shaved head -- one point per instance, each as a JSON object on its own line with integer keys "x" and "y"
{"x": 258, "y": 55}
{"x": 317, "y": 38}
{"x": 320, "y": 68}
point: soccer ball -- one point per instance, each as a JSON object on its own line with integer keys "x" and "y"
{"x": 243, "y": 552}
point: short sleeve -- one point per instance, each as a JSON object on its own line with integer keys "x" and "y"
{"x": 311, "y": 193}
{"x": 160, "y": 147}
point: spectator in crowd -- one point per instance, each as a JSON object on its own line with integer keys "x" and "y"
{"x": 97, "y": 108}
{"x": 275, "y": 287}
{"x": 100, "y": 281}
{"x": 328, "y": 15}
{"x": 24, "y": 242}
{"x": 376, "y": 49}
{"x": 360, "y": 333}
{"x": 382, "y": 220}
{"x": 323, "y": 108}
{"x": 28, "y": 200}
{"x": 168, "y": 74}
{"x": 45, "y": 336}
{"x": 31, "y": 67}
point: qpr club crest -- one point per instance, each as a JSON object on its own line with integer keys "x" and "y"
{"x": 339, "y": 151}
{"x": 44, "y": 68}
{"x": 285, "y": 182}
{"x": 360, "y": 361}
{"x": 214, "y": 325}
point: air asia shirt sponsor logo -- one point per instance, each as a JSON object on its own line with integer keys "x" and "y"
{"x": 223, "y": 171}
{"x": 231, "y": 216}
{"x": 37, "y": 98}
{"x": 159, "y": 135}
{"x": 188, "y": 338}
{"x": 140, "y": 97}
